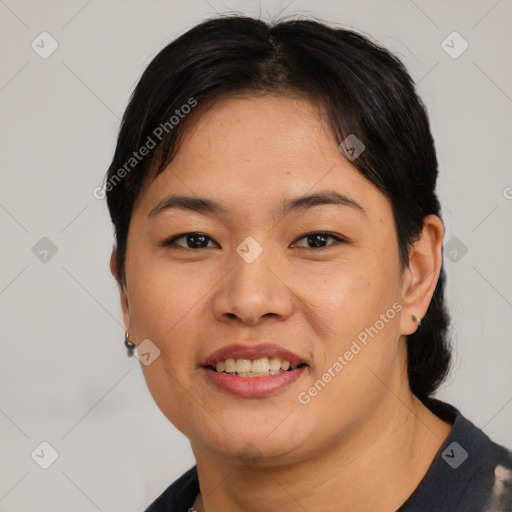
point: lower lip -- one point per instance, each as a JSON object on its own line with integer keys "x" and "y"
{"x": 253, "y": 387}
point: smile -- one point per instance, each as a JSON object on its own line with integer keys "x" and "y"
{"x": 261, "y": 367}
{"x": 253, "y": 370}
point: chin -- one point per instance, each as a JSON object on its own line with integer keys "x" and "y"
{"x": 267, "y": 444}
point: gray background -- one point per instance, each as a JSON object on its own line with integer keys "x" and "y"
{"x": 64, "y": 375}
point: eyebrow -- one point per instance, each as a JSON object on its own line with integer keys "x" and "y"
{"x": 206, "y": 206}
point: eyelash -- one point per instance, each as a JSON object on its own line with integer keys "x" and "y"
{"x": 171, "y": 241}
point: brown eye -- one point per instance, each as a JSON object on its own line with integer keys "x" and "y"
{"x": 191, "y": 241}
{"x": 319, "y": 239}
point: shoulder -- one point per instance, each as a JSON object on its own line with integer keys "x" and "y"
{"x": 470, "y": 473}
{"x": 179, "y": 496}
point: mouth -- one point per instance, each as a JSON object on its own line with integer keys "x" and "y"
{"x": 261, "y": 360}
{"x": 254, "y": 371}
{"x": 262, "y": 367}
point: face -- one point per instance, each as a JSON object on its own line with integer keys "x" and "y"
{"x": 318, "y": 278}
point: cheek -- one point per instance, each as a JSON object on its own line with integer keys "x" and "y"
{"x": 160, "y": 295}
{"x": 359, "y": 341}
{"x": 352, "y": 308}
{"x": 347, "y": 298}
{"x": 169, "y": 304}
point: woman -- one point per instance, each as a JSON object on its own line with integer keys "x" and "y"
{"x": 279, "y": 257}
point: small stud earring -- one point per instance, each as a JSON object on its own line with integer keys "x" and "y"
{"x": 416, "y": 319}
{"x": 128, "y": 344}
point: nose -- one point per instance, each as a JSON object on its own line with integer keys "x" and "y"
{"x": 252, "y": 291}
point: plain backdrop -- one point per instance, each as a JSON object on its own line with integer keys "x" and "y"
{"x": 65, "y": 378}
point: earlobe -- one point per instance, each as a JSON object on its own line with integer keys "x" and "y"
{"x": 421, "y": 276}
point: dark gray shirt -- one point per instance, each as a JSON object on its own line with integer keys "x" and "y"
{"x": 470, "y": 473}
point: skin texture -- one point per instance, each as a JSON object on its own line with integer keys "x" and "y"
{"x": 364, "y": 442}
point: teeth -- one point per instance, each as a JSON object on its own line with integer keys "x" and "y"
{"x": 248, "y": 368}
{"x": 230, "y": 365}
{"x": 260, "y": 365}
{"x": 243, "y": 365}
{"x": 275, "y": 363}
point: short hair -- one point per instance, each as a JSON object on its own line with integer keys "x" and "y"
{"x": 366, "y": 91}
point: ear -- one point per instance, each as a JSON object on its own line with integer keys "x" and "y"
{"x": 420, "y": 277}
{"x": 124, "y": 299}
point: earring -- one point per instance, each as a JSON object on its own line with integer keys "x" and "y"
{"x": 128, "y": 344}
{"x": 416, "y": 319}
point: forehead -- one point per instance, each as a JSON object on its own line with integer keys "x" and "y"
{"x": 255, "y": 151}
{"x": 260, "y": 128}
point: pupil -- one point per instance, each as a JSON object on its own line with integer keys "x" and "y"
{"x": 314, "y": 239}
{"x": 198, "y": 244}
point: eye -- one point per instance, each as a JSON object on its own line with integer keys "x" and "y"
{"x": 319, "y": 238}
{"x": 196, "y": 240}
{"x": 192, "y": 241}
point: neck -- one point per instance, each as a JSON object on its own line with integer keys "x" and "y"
{"x": 376, "y": 469}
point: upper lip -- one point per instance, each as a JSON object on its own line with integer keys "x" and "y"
{"x": 253, "y": 352}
